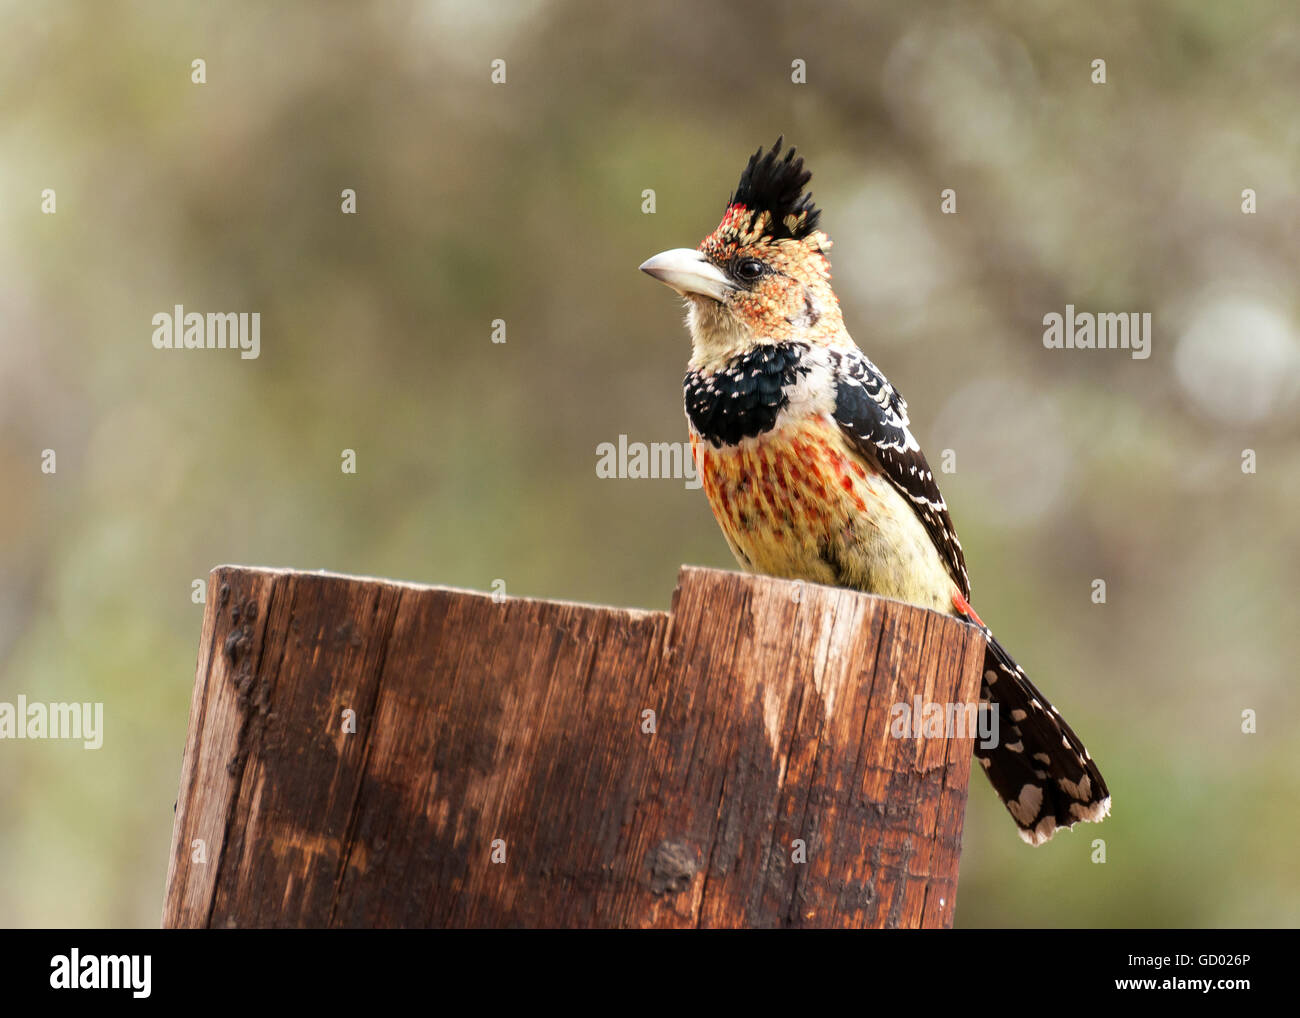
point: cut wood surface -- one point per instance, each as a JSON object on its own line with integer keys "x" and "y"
{"x": 365, "y": 753}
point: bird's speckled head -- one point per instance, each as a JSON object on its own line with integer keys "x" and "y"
{"x": 762, "y": 276}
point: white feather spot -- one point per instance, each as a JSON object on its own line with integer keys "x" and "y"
{"x": 1025, "y": 807}
{"x": 1082, "y": 790}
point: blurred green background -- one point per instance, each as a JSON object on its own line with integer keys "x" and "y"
{"x": 476, "y": 461}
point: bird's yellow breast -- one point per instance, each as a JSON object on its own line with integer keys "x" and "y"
{"x": 798, "y": 503}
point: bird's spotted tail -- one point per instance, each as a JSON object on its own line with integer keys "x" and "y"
{"x": 1039, "y": 768}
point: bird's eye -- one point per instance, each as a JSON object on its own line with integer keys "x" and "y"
{"x": 748, "y": 269}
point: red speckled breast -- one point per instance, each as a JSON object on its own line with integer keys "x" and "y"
{"x": 787, "y": 499}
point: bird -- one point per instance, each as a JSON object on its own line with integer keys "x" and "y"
{"x": 806, "y": 455}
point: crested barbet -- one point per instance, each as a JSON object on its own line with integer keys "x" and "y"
{"x": 804, "y": 451}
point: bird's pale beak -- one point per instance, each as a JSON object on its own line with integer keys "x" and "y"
{"x": 689, "y": 273}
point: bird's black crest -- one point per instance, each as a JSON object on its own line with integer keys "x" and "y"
{"x": 776, "y": 185}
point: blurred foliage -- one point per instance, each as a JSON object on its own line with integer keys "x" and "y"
{"x": 522, "y": 202}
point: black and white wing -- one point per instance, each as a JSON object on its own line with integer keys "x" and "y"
{"x": 872, "y": 414}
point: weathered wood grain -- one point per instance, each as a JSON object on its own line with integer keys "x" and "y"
{"x": 501, "y": 770}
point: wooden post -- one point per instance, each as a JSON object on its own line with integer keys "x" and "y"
{"x": 364, "y": 753}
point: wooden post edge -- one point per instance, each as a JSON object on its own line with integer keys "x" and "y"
{"x": 366, "y": 753}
